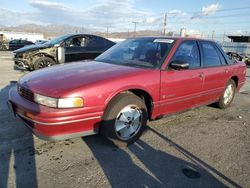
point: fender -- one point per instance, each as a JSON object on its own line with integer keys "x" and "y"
{"x": 43, "y": 53}
{"x": 126, "y": 88}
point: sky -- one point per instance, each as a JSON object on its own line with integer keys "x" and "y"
{"x": 201, "y": 17}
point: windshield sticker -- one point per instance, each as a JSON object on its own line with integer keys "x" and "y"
{"x": 164, "y": 40}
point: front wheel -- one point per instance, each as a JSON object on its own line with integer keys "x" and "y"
{"x": 228, "y": 95}
{"x": 42, "y": 62}
{"x": 124, "y": 119}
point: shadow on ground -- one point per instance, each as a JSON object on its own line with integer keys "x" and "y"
{"x": 156, "y": 169}
{"x": 16, "y": 148}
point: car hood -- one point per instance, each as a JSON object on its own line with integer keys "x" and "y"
{"x": 31, "y": 48}
{"x": 60, "y": 79}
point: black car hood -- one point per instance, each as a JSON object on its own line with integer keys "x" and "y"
{"x": 32, "y": 47}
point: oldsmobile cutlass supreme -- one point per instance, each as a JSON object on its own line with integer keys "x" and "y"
{"x": 137, "y": 80}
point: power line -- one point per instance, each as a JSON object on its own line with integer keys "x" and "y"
{"x": 232, "y": 9}
{"x": 209, "y": 23}
{"x": 219, "y": 10}
{"x": 225, "y": 16}
{"x": 179, "y": 14}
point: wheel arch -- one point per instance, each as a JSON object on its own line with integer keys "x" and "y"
{"x": 141, "y": 93}
{"x": 146, "y": 97}
{"x": 235, "y": 79}
{"x": 40, "y": 54}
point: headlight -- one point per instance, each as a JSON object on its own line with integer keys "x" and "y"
{"x": 74, "y": 102}
{"x": 46, "y": 101}
{"x": 70, "y": 102}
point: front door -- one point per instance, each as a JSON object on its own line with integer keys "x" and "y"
{"x": 180, "y": 89}
{"x": 74, "y": 48}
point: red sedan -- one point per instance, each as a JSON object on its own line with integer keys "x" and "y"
{"x": 136, "y": 80}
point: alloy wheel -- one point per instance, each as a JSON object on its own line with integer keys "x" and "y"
{"x": 128, "y": 122}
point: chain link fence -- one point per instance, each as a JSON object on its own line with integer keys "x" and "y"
{"x": 237, "y": 47}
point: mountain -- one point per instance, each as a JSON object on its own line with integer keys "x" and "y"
{"x": 50, "y": 31}
{"x": 47, "y": 30}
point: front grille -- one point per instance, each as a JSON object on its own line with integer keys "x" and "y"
{"x": 25, "y": 93}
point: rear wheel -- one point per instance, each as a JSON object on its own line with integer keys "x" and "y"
{"x": 42, "y": 62}
{"x": 228, "y": 95}
{"x": 124, "y": 120}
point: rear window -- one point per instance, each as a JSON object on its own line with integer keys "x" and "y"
{"x": 210, "y": 55}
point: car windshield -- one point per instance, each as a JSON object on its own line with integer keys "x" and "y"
{"x": 141, "y": 52}
{"x": 57, "y": 40}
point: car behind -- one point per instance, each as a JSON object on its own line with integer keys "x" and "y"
{"x": 63, "y": 49}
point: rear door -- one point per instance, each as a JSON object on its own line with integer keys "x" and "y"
{"x": 216, "y": 72}
{"x": 95, "y": 46}
{"x": 180, "y": 89}
{"x": 85, "y": 47}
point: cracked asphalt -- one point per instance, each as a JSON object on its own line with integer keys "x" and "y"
{"x": 203, "y": 147}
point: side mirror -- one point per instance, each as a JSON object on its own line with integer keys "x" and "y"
{"x": 179, "y": 64}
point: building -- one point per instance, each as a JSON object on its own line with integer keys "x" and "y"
{"x": 22, "y": 35}
{"x": 237, "y": 38}
{"x": 239, "y": 44}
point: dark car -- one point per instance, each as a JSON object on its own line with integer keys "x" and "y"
{"x": 135, "y": 80}
{"x": 235, "y": 56}
{"x": 41, "y": 41}
{"x": 239, "y": 57}
{"x": 18, "y": 43}
{"x": 66, "y": 48}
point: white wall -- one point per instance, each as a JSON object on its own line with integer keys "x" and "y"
{"x": 116, "y": 40}
{"x": 22, "y": 35}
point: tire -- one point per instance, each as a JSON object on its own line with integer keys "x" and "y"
{"x": 247, "y": 62}
{"x": 228, "y": 95}
{"x": 42, "y": 62}
{"x": 124, "y": 119}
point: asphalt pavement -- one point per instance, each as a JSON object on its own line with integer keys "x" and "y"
{"x": 203, "y": 147}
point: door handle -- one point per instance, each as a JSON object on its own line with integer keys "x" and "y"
{"x": 201, "y": 75}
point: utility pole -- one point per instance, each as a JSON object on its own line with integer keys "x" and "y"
{"x": 135, "y": 28}
{"x": 213, "y": 35}
{"x": 107, "y": 31}
{"x": 165, "y": 24}
{"x": 223, "y": 39}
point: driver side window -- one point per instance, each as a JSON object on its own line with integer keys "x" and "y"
{"x": 188, "y": 51}
{"x": 75, "y": 42}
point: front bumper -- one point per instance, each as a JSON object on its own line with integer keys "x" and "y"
{"x": 55, "y": 124}
{"x": 21, "y": 63}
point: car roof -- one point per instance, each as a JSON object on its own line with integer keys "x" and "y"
{"x": 170, "y": 37}
{"x": 80, "y": 34}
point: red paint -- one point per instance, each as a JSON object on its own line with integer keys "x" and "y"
{"x": 98, "y": 83}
